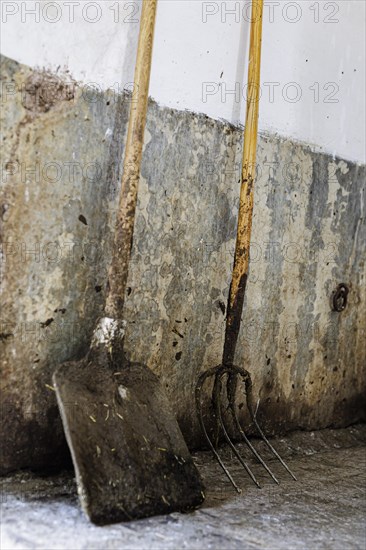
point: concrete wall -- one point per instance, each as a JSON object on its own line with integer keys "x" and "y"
{"x": 61, "y": 164}
{"x": 313, "y": 71}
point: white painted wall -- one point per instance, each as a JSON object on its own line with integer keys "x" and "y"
{"x": 200, "y": 56}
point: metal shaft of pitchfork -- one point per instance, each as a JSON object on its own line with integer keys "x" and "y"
{"x": 239, "y": 276}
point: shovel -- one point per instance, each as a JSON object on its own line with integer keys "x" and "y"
{"x": 130, "y": 458}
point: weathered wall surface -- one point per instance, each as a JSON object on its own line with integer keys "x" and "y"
{"x": 61, "y": 163}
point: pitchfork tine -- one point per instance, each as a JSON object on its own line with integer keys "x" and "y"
{"x": 215, "y": 399}
{"x": 249, "y": 398}
{"x": 198, "y": 389}
{"x": 252, "y": 414}
{"x": 231, "y": 397}
{"x": 233, "y": 372}
{"x": 226, "y": 435}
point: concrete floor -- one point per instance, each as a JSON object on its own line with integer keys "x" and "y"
{"x": 325, "y": 508}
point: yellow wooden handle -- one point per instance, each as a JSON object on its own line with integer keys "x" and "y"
{"x": 241, "y": 258}
{"x": 132, "y": 163}
{"x": 249, "y": 152}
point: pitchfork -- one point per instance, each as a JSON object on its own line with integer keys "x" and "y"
{"x": 239, "y": 280}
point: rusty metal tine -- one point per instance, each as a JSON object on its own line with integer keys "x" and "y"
{"x": 215, "y": 397}
{"x": 270, "y": 446}
{"x": 231, "y": 391}
{"x": 248, "y": 443}
{"x": 248, "y": 390}
{"x": 201, "y": 379}
{"x": 226, "y": 435}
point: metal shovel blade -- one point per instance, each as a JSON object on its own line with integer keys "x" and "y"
{"x": 130, "y": 458}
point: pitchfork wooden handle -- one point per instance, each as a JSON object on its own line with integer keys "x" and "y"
{"x": 132, "y": 163}
{"x": 241, "y": 258}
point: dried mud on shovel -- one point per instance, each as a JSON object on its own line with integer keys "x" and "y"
{"x": 130, "y": 458}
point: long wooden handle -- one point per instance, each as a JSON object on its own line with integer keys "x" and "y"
{"x": 132, "y": 163}
{"x": 241, "y": 258}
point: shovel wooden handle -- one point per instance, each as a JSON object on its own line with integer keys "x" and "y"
{"x": 132, "y": 163}
{"x": 241, "y": 258}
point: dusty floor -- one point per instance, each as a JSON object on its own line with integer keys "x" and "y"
{"x": 324, "y": 509}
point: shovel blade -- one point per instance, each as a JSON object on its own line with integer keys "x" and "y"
{"x": 130, "y": 458}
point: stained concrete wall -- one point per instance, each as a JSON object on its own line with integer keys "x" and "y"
{"x": 61, "y": 165}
